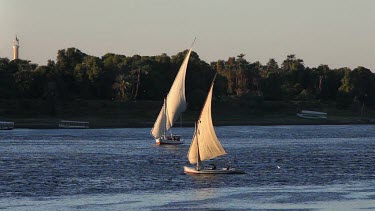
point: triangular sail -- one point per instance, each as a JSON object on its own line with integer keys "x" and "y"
{"x": 204, "y": 136}
{"x": 160, "y": 124}
{"x": 175, "y": 102}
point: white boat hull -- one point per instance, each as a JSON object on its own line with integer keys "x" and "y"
{"x": 310, "y": 116}
{"x": 170, "y": 140}
{"x": 73, "y": 127}
{"x": 64, "y": 124}
{"x": 192, "y": 170}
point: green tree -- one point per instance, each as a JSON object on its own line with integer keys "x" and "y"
{"x": 270, "y": 67}
{"x": 358, "y": 84}
{"x": 271, "y": 86}
{"x": 67, "y": 59}
{"x": 6, "y": 79}
{"x": 121, "y": 86}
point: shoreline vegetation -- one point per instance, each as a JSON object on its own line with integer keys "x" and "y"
{"x": 142, "y": 114}
{"x": 128, "y": 91}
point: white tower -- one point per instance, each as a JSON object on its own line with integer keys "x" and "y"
{"x": 16, "y": 46}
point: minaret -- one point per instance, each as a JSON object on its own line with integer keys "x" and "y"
{"x": 16, "y": 45}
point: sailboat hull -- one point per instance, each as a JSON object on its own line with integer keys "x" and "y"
{"x": 190, "y": 170}
{"x": 170, "y": 140}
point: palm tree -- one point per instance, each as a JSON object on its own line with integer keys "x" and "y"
{"x": 121, "y": 86}
{"x": 135, "y": 76}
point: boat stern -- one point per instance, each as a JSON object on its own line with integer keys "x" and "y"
{"x": 189, "y": 170}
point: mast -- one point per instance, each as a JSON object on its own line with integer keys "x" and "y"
{"x": 192, "y": 44}
{"x": 198, "y": 157}
{"x": 165, "y": 112}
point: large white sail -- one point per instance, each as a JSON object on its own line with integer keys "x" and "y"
{"x": 176, "y": 100}
{"x": 174, "y": 104}
{"x": 205, "y": 143}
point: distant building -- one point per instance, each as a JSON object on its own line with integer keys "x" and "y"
{"x": 16, "y": 46}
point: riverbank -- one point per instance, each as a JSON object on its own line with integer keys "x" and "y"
{"x": 112, "y": 114}
{"x": 43, "y": 123}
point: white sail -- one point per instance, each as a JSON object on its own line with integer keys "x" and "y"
{"x": 205, "y": 143}
{"x": 161, "y": 123}
{"x": 174, "y": 104}
{"x": 176, "y": 101}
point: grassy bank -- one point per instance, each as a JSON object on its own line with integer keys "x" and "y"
{"x": 226, "y": 111}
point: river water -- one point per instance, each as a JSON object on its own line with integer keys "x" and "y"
{"x": 287, "y": 167}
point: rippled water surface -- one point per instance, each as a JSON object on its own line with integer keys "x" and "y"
{"x": 288, "y": 167}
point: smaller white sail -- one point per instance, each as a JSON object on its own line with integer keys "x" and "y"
{"x": 160, "y": 124}
{"x": 205, "y": 144}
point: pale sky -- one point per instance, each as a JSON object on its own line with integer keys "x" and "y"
{"x": 340, "y": 33}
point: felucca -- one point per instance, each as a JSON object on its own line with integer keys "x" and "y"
{"x": 174, "y": 105}
{"x": 205, "y": 145}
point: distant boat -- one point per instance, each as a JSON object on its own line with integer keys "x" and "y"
{"x": 6, "y": 125}
{"x": 174, "y": 104}
{"x": 64, "y": 124}
{"x": 205, "y": 145}
{"x": 312, "y": 114}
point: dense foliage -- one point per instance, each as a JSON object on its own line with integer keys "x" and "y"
{"x": 76, "y": 75}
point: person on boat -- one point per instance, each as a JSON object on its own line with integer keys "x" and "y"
{"x": 213, "y": 166}
{"x": 197, "y": 168}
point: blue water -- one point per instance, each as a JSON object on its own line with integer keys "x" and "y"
{"x": 288, "y": 167}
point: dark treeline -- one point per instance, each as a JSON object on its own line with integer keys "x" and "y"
{"x": 76, "y": 75}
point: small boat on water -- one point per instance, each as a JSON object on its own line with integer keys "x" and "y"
{"x": 6, "y": 125}
{"x": 312, "y": 114}
{"x": 173, "y": 106}
{"x": 205, "y": 145}
{"x": 64, "y": 124}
